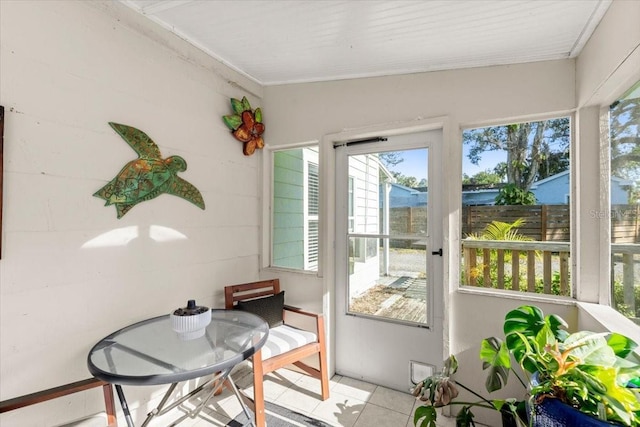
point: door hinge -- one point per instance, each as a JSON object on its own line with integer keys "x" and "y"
{"x": 438, "y": 252}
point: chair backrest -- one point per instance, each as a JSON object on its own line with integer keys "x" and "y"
{"x": 248, "y": 291}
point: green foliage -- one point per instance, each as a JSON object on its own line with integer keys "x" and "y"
{"x": 486, "y": 177}
{"x": 585, "y": 370}
{"x": 618, "y": 300}
{"x": 407, "y": 181}
{"x": 511, "y": 194}
{"x": 498, "y": 230}
{"x": 534, "y": 150}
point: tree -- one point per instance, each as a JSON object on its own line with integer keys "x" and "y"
{"x": 624, "y": 125}
{"x": 535, "y": 150}
{"x": 407, "y": 181}
{"x": 485, "y": 177}
{"x": 390, "y": 158}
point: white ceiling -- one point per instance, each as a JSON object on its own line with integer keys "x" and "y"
{"x": 278, "y": 41}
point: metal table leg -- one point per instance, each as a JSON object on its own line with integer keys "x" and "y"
{"x": 125, "y": 407}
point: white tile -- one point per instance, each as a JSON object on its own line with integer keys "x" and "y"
{"x": 210, "y": 418}
{"x": 354, "y": 388}
{"x": 339, "y": 409}
{"x": 392, "y": 399}
{"x": 377, "y": 416}
{"x": 285, "y": 375}
{"x": 298, "y": 399}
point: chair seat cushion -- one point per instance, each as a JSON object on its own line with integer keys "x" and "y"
{"x": 284, "y": 338}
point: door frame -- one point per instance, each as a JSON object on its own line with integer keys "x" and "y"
{"x": 328, "y": 228}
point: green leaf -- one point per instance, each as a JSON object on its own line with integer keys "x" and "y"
{"x": 621, "y": 400}
{"x": 258, "y": 115}
{"x": 495, "y": 356}
{"x": 450, "y": 366}
{"x": 621, "y": 345}
{"x": 591, "y": 348}
{"x": 233, "y": 122}
{"x": 245, "y": 104}
{"x": 465, "y": 417}
{"x": 425, "y": 416}
{"x": 527, "y": 320}
{"x": 237, "y": 106}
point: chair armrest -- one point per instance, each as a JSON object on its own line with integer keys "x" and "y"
{"x": 298, "y": 310}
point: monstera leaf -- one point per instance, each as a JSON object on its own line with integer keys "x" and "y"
{"x": 527, "y": 326}
{"x": 495, "y": 356}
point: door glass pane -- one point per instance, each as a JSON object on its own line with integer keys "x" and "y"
{"x": 624, "y": 125}
{"x": 387, "y": 235}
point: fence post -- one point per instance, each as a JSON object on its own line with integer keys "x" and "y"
{"x": 543, "y": 222}
{"x": 628, "y": 282}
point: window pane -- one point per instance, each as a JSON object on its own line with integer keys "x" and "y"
{"x": 387, "y": 237}
{"x": 515, "y": 207}
{"x": 295, "y": 209}
{"x": 624, "y": 125}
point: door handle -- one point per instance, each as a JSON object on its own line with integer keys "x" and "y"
{"x": 438, "y": 252}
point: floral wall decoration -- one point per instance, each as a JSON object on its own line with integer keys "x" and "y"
{"x": 246, "y": 125}
{"x": 146, "y": 177}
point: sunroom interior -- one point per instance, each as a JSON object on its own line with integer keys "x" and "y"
{"x": 71, "y": 271}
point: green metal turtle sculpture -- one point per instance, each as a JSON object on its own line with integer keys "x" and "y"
{"x": 148, "y": 176}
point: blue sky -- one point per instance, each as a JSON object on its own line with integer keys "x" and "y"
{"x": 414, "y": 163}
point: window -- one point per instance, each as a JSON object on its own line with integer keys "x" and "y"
{"x": 515, "y": 207}
{"x": 295, "y": 208}
{"x": 624, "y": 130}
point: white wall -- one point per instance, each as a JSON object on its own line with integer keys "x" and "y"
{"x": 70, "y": 271}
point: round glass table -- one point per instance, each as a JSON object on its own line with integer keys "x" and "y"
{"x": 150, "y": 352}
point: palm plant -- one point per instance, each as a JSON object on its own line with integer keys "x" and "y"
{"x": 497, "y": 230}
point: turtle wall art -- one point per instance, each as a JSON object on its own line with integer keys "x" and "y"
{"x": 246, "y": 125}
{"x": 148, "y": 176}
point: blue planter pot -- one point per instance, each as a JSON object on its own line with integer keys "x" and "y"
{"x": 554, "y": 413}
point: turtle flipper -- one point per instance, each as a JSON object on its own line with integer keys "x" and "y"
{"x": 181, "y": 188}
{"x": 123, "y": 208}
{"x": 141, "y": 143}
{"x": 106, "y": 192}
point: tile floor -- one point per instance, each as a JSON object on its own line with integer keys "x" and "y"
{"x": 352, "y": 403}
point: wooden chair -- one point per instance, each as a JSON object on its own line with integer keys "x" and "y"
{"x": 274, "y": 357}
{"x": 64, "y": 390}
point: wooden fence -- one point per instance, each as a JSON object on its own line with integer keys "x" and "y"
{"x": 543, "y": 267}
{"x": 542, "y": 222}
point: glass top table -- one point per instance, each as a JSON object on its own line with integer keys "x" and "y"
{"x": 151, "y": 352}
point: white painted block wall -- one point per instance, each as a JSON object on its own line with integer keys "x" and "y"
{"x": 71, "y": 272}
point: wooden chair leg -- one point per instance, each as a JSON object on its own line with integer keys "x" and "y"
{"x": 110, "y": 405}
{"x": 324, "y": 374}
{"x": 322, "y": 355}
{"x": 258, "y": 389}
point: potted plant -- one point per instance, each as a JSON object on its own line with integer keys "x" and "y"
{"x": 588, "y": 375}
{"x": 441, "y": 389}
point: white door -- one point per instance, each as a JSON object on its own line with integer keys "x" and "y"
{"x": 389, "y": 284}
